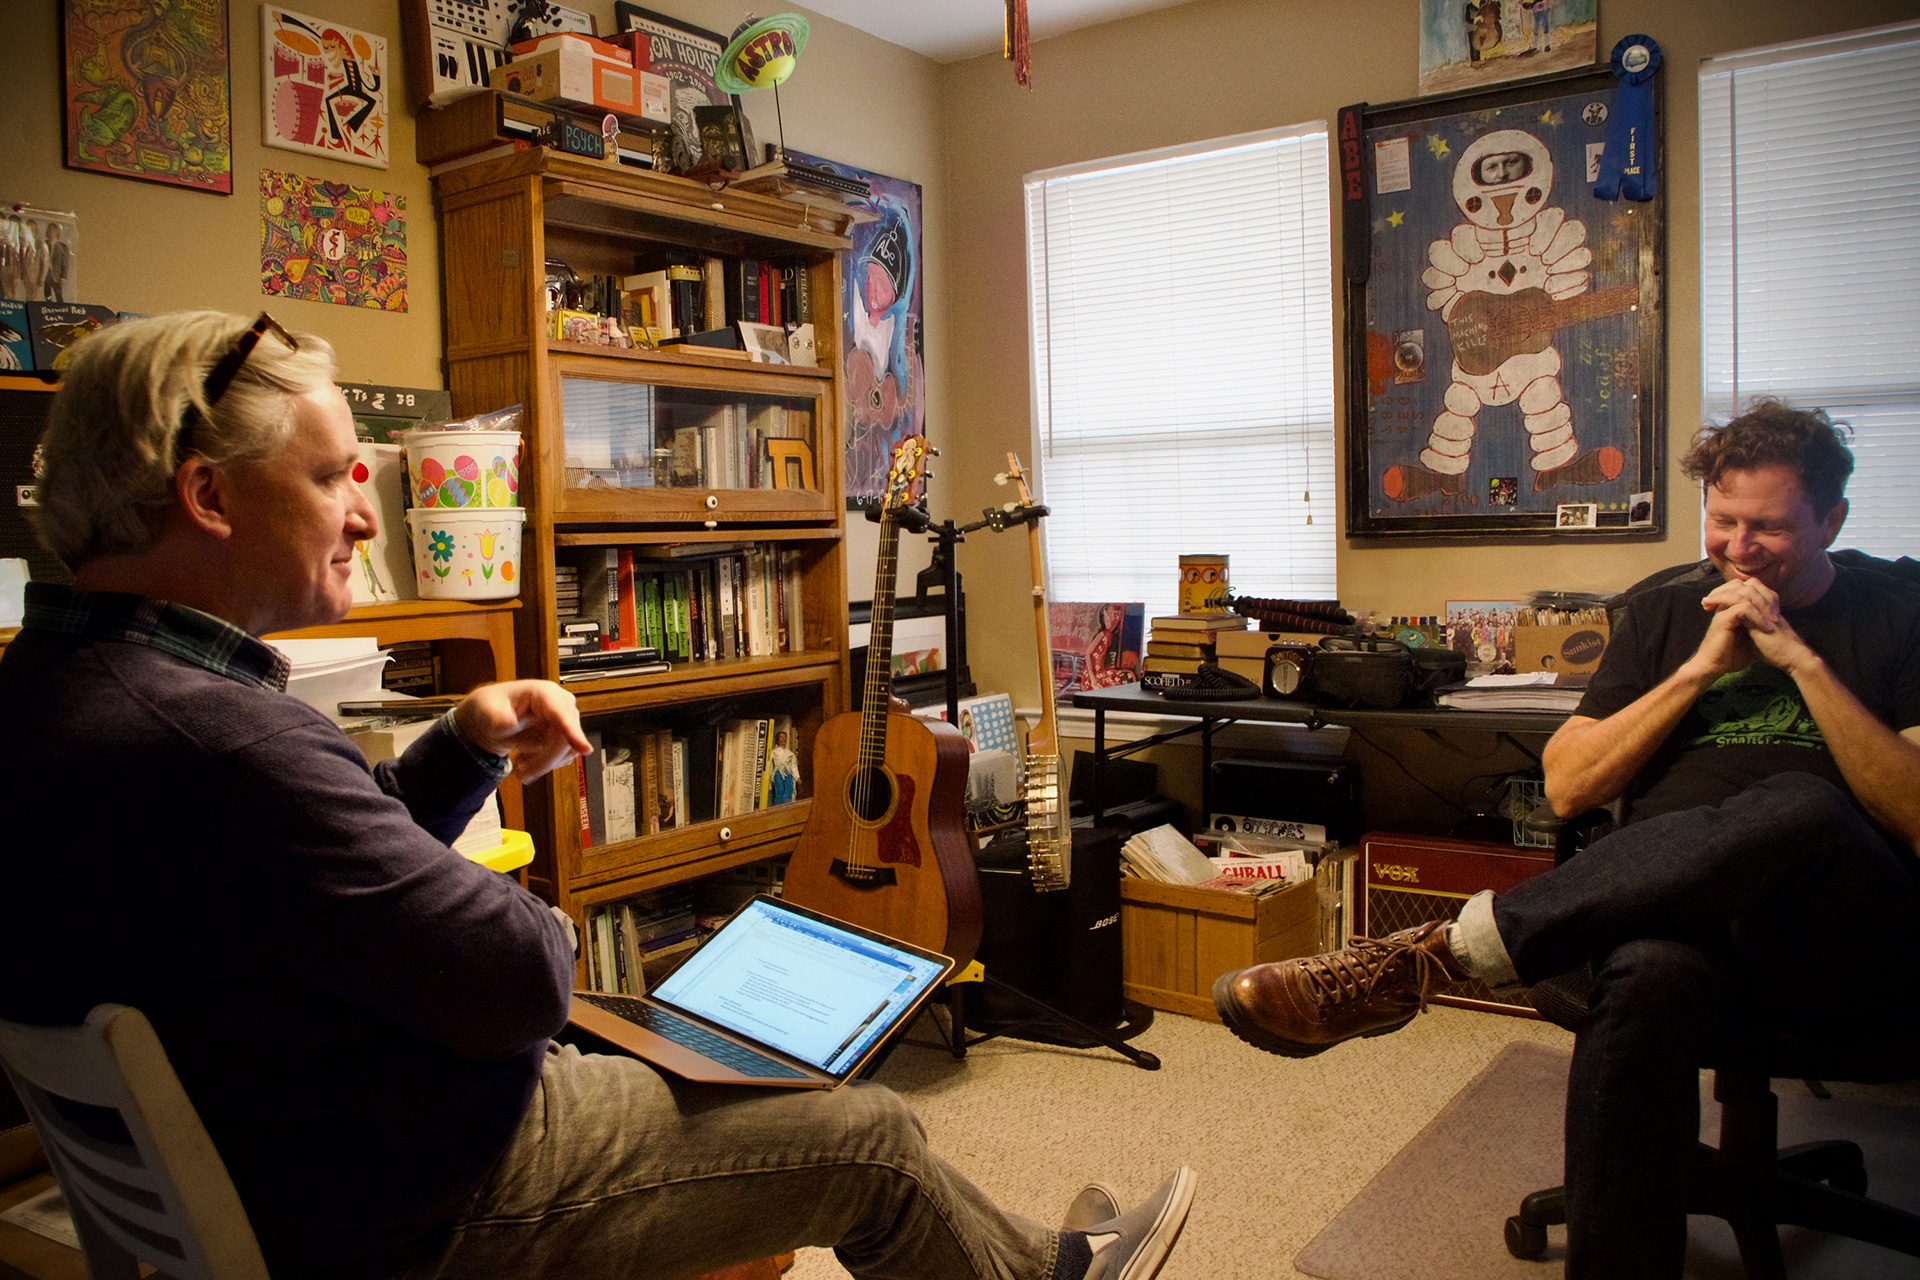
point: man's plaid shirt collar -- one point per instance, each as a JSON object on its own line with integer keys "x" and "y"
{"x": 187, "y": 634}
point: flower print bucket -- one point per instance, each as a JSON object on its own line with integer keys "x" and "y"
{"x": 461, "y": 470}
{"x": 472, "y": 554}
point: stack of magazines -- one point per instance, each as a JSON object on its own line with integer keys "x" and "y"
{"x": 1530, "y": 691}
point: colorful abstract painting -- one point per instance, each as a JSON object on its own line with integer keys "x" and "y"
{"x": 147, "y": 91}
{"x": 323, "y": 88}
{"x": 332, "y": 242}
{"x": 882, "y": 345}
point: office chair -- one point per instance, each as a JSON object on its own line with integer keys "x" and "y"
{"x": 1749, "y": 1180}
{"x": 140, "y": 1175}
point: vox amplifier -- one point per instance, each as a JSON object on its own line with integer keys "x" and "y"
{"x": 1408, "y": 880}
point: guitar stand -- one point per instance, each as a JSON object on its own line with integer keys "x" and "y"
{"x": 958, "y": 1040}
{"x": 946, "y": 536}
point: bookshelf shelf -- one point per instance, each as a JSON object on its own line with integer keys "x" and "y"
{"x": 687, "y": 359}
{"x": 707, "y": 678}
{"x": 608, "y": 465}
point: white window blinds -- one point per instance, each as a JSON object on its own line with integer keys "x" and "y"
{"x": 1810, "y": 252}
{"x": 1183, "y": 367}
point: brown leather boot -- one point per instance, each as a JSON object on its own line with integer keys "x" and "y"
{"x": 1298, "y": 1008}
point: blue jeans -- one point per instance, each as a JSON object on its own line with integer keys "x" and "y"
{"x": 1780, "y": 907}
{"x": 620, "y": 1171}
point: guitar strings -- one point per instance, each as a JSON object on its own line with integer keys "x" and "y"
{"x": 879, "y": 682}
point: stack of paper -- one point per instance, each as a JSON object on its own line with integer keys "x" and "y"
{"x": 329, "y": 672}
{"x": 1529, "y": 691}
{"x": 1165, "y": 855}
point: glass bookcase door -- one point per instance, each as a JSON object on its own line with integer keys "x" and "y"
{"x": 642, "y": 448}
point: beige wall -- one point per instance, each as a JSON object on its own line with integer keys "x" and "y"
{"x": 150, "y": 248}
{"x": 1219, "y": 67}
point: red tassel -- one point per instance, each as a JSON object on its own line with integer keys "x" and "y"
{"x": 1014, "y": 44}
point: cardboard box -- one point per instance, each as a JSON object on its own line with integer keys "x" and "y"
{"x": 581, "y": 71}
{"x": 1575, "y": 648}
{"x": 1175, "y": 940}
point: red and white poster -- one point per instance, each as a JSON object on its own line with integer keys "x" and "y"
{"x": 323, "y": 88}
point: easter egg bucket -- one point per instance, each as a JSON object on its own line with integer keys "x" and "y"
{"x": 461, "y": 470}
{"x": 469, "y": 554}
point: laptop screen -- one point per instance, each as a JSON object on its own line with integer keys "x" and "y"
{"x": 811, "y": 990}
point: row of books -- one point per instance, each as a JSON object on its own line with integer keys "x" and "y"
{"x": 724, "y": 446}
{"x": 413, "y": 668}
{"x": 635, "y": 436}
{"x": 1180, "y": 642}
{"x": 642, "y": 780}
{"x": 630, "y": 946}
{"x": 688, "y": 601}
{"x": 680, "y": 299}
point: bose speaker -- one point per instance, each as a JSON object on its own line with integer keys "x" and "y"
{"x": 1408, "y": 880}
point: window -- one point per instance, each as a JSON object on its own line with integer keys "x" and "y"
{"x": 1183, "y": 366}
{"x": 1810, "y": 252}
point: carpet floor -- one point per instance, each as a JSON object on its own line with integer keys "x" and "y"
{"x": 1282, "y": 1147}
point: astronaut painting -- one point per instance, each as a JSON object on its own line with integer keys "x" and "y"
{"x": 1506, "y": 350}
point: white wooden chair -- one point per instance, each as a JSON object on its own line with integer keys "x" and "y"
{"x": 140, "y": 1175}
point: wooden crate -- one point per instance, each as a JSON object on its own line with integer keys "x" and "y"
{"x": 1177, "y": 940}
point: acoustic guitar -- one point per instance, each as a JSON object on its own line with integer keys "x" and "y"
{"x": 885, "y": 845}
{"x": 1049, "y": 830}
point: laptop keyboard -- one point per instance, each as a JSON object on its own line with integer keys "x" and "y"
{"x": 692, "y": 1035}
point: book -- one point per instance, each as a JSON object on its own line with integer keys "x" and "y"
{"x": 627, "y": 631}
{"x": 614, "y": 673}
{"x": 1186, "y": 666}
{"x": 607, "y": 659}
{"x": 1177, "y": 649}
{"x": 593, "y": 768}
{"x": 1199, "y": 622}
{"x": 618, "y": 797}
{"x": 649, "y": 784}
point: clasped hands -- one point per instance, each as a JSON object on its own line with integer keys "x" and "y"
{"x": 532, "y": 722}
{"x": 1748, "y": 624}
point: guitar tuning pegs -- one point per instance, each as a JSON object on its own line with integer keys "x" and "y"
{"x": 1000, "y": 477}
{"x": 932, "y": 452}
{"x": 928, "y": 473}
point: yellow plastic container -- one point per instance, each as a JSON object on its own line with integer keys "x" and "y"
{"x": 514, "y": 851}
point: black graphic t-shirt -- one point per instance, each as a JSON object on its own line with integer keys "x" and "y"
{"x": 1753, "y": 723}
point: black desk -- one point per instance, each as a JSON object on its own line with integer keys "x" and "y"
{"x": 1214, "y": 715}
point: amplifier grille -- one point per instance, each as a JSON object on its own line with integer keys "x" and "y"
{"x": 1390, "y": 910}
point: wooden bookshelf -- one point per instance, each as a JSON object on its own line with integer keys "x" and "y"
{"x": 502, "y": 219}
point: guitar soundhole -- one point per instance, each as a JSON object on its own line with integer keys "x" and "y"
{"x": 869, "y": 794}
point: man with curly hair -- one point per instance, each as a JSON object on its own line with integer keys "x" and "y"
{"x": 1760, "y": 726}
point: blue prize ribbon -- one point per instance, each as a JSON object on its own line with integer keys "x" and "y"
{"x": 1626, "y": 166}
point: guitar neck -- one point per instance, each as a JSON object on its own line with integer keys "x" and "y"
{"x": 1044, "y": 738}
{"x": 878, "y": 688}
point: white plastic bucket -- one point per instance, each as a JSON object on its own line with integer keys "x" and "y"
{"x": 471, "y": 554}
{"x": 462, "y": 470}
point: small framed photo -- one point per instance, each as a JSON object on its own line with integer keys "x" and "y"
{"x": 1577, "y": 515}
{"x": 1640, "y": 511}
{"x": 792, "y": 463}
{"x": 766, "y": 343}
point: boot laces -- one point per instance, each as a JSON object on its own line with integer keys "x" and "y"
{"x": 1352, "y": 973}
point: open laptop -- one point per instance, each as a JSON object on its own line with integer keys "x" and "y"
{"x": 779, "y": 996}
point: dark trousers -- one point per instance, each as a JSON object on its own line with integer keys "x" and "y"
{"x": 1780, "y": 908}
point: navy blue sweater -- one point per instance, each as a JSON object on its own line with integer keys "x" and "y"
{"x": 358, "y": 1013}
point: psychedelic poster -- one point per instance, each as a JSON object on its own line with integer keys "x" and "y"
{"x": 147, "y": 91}
{"x": 882, "y": 345}
{"x": 331, "y": 242}
{"x": 323, "y": 88}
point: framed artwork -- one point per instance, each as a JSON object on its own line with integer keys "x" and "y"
{"x": 1483, "y": 631}
{"x": 147, "y": 91}
{"x": 1095, "y": 646}
{"x": 792, "y": 463}
{"x": 1505, "y": 327}
{"x": 688, "y": 56}
{"x": 1470, "y": 44}
{"x": 323, "y": 88}
{"x": 882, "y": 346}
{"x": 332, "y": 242}
{"x": 765, "y": 343}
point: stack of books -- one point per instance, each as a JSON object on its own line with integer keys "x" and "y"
{"x": 1528, "y": 691}
{"x": 1180, "y": 642}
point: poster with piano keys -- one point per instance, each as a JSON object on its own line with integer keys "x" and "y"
{"x": 1505, "y": 342}
{"x": 323, "y": 88}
